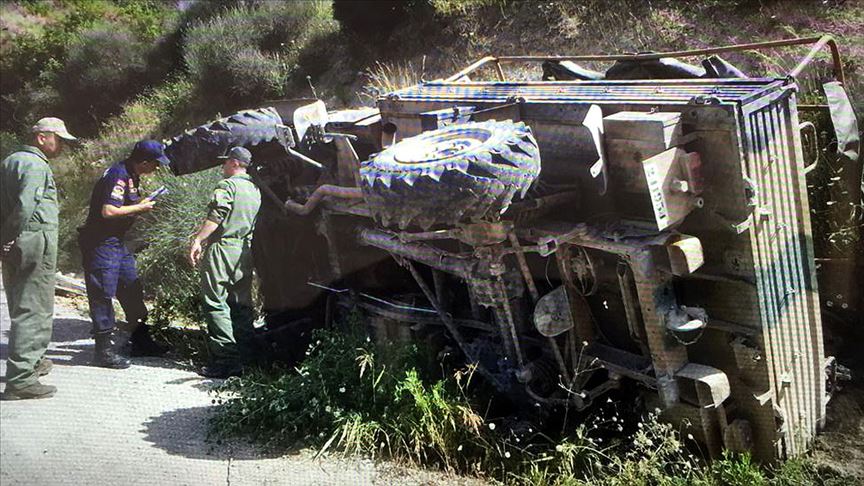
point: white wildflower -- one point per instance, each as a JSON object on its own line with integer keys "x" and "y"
{"x": 491, "y": 426}
{"x": 507, "y": 454}
{"x": 341, "y": 389}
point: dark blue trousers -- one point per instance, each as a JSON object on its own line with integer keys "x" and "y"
{"x": 109, "y": 272}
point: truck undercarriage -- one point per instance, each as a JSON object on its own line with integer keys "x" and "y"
{"x": 567, "y": 237}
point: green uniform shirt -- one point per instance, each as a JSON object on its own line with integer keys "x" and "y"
{"x": 226, "y": 277}
{"x": 28, "y": 199}
{"x": 234, "y": 206}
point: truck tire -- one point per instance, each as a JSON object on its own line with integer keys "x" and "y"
{"x": 465, "y": 172}
{"x": 197, "y": 149}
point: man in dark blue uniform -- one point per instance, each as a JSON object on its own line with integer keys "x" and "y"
{"x": 109, "y": 267}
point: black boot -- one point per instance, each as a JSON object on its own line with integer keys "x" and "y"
{"x": 141, "y": 343}
{"x": 221, "y": 370}
{"x": 105, "y": 355}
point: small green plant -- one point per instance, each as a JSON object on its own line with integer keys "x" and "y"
{"x": 737, "y": 469}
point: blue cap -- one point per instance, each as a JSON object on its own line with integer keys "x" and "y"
{"x": 149, "y": 150}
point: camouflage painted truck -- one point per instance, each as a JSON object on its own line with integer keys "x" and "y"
{"x": 646, "y": 227}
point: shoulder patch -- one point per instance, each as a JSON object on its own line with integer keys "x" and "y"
{"x": 118, "y": 190}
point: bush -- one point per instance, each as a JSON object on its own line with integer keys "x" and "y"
{"x": 34, "y": 81}
{"x": 105, "y": 67}
{"x": 246, "y": 54}
{"x": 168, "y": 277}
{"x": 8, "y": 142}
{"x": 76, "y": 173}
{"x": 371, "y": 18}
{"x": 352, "y": 396}
{"x": 349, "y": 396}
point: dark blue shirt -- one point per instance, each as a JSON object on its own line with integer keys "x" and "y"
{"x": 117, "y": 187}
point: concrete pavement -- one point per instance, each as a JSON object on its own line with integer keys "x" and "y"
{"x": 144, "y": 425}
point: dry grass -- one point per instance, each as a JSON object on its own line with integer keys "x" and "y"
{"x": 388, "y": 77}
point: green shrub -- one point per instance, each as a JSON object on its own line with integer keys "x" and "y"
{"x": 77, "y": 172}
{"x": 8, "y": 142}
{"x": 162, "y": 264}
{"x": 462, "y": 7}
{"x": 353, "y": 397}
{"x": 35, "y": 82}
{"x": 247, "y": 54}
{"x": 105, "y": 67}
{"x": 349, "y": 396}
{"x": 373, "y": 19}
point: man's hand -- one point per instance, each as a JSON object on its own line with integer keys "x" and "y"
{"x": 195, "y": 251}
{"x": 207, "y": 228}
{"x": 6, "y": 249}
{"x": 146, "y": 205}
{"x": 110, "y": 211}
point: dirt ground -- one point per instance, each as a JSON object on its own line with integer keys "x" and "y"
{"x": 841, "y": 443}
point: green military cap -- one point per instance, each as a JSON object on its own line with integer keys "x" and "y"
{"x": 53, "y": 125}
{"x": 239, "y": 154}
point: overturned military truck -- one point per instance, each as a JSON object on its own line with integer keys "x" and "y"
{"x": 570, "y": 236}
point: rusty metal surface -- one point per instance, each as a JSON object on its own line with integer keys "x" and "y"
{"x": 781, "y": 242}
{"x": 817, "y": 44}
{"x": 322, "y": 192}
{"x": 566, "y": 92}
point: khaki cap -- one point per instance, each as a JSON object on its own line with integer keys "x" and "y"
{"x": 53, "y": 125}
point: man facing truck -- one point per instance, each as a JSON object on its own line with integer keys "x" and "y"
{"x": 226, "y": 275}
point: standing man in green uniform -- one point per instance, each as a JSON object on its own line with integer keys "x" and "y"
{"x": 28, "y": 234}
{"x": 226, "y": 275}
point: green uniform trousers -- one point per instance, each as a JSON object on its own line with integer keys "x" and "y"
{"x": 28, "y": 277}
{"x": 226, "y": 283}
